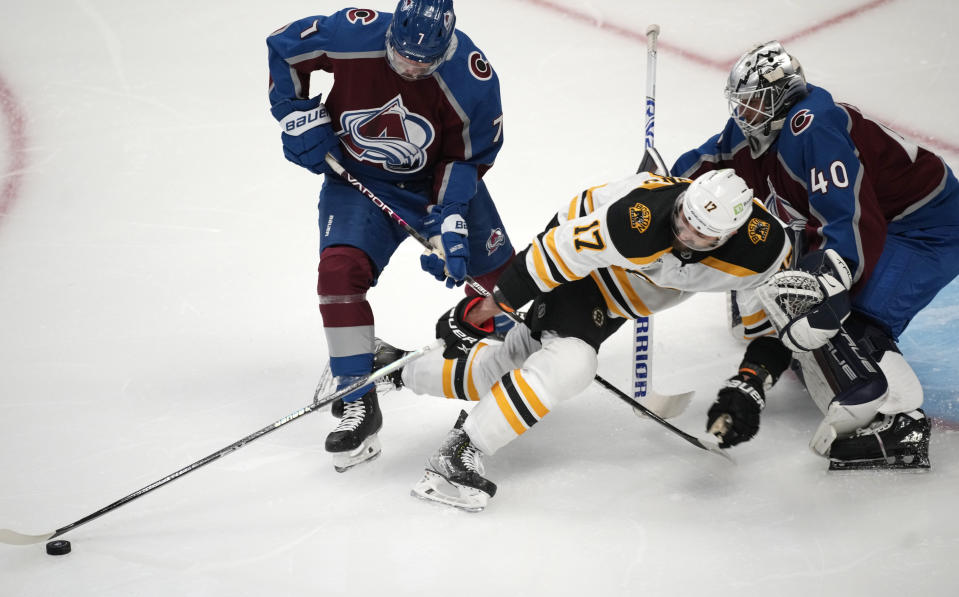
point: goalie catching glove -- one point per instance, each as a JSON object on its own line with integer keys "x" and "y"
{"x": 459, "y": 335}
{"x": 809, "y": 305}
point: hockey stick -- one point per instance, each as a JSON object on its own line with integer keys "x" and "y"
{"x": 665, "y": 405}
{"x": 652, "y": 161}
{"x": 10, "y": 537}
{"x": 705, "y": 443}
{"x": 638, "y": 408}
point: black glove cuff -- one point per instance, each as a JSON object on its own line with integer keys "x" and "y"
{"x": 746, "y": 387}
{"x": 515, "y": 287}
{"x": 766, "y": 358}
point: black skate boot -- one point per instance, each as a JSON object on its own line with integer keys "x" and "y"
{"x": 899, "y": 441}
{"x": 383, "y": 355}
{"x": 354, "y": 439}
{"x": 454, "y": 474}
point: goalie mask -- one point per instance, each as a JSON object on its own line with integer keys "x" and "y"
{"x": 711, "y": 210}
{"x": 421, "y": 37}
{"x": 763, "y": 85}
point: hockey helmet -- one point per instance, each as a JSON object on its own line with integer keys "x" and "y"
{"x": 420, "y": 37}
{"x": 711, "y": 209}
{"x": 763, "y": 85}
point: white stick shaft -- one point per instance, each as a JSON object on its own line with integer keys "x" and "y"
{"x": 652, "y": 34}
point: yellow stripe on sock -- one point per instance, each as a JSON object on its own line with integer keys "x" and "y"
{"x": 448, "y": 378}
{"x": 531, "y": 398}
{"x": 470, "y": 386}
{"x": 507, "y": 410}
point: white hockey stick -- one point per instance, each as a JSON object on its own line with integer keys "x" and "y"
{"x": 664, "y": 405}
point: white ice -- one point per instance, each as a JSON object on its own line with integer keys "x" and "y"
{"x": 157, "y": 302}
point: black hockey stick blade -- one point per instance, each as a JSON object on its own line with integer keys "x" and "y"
{"x": 705, "y": 443}
{"x": 653, "y": 162}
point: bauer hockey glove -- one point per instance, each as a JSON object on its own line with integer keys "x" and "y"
{"x": 734, "y": 416}
{"x": 449, "y": 237}
{"x": 308, "y": 133}
{"x": 459, "y": 335}
{"x": 809, "y": 305}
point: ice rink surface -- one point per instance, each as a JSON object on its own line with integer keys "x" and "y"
{"x": 157, "y": 303}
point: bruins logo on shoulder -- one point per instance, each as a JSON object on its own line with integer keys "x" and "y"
{"x": 639, "y": 217}
{"x": 758, "y": 230}
{"x": 599, "y": 318}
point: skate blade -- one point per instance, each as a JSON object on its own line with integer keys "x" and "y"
{"x": 433, "y": 487}
{"x": 908, "y": 463}
{"x": 368, "y": 450}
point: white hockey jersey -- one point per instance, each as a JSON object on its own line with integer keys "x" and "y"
{"x": 620, "y": 235}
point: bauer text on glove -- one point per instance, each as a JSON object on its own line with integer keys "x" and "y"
{"x": 307, "y": 133}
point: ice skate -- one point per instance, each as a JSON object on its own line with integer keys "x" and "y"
{"x": 383, "y": 355}
{"x": 354, "y": 439}
{"x": 899, "y": 441}
{"x": 454, "y": 474}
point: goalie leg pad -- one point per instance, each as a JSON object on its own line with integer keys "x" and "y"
{"x": 846, "y": 384}
{"x": 905, "y": 391}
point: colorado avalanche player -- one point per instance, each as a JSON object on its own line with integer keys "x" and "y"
{"x": 414, "y": 111}
{"x": 888, "y": 208}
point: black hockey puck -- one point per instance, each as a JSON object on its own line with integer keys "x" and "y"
{"x": 58, "y": 548}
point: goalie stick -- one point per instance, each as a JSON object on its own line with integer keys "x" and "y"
{"x": 666, "y": 405}
{"x": 646, "y": 410}
{"x": 11, "y": 537}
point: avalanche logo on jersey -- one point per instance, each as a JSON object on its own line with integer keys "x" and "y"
{"x": 479, "y": 67}
{"x": 801, "y": 121}
{"x": 639, "y": 217}
{"x": 781, "y": 208}
{"x": 496, "y": 240}
{"x": 390, "y": 136}
{"x": 363, "y": 16}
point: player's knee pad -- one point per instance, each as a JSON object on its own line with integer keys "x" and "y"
{"x": 345, "y": 274}
{"x": 524, "y": 396}
{"x": 562, "y": 368}
{"x": 344, "y": 271}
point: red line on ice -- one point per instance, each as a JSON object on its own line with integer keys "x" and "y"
{"x": 584, "y": 18}
{"x": 12, "y": 175}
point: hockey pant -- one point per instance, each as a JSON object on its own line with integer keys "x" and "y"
{"x": 517, "y": 383}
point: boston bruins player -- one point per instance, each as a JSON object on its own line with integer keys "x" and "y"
{"x": 617, "y": 251}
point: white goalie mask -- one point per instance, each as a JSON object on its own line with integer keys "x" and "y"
{"x": 763, "y": 85}
{"x": 711, "y": 210}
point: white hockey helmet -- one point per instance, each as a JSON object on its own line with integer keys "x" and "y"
{"x": 711, "y": 209}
